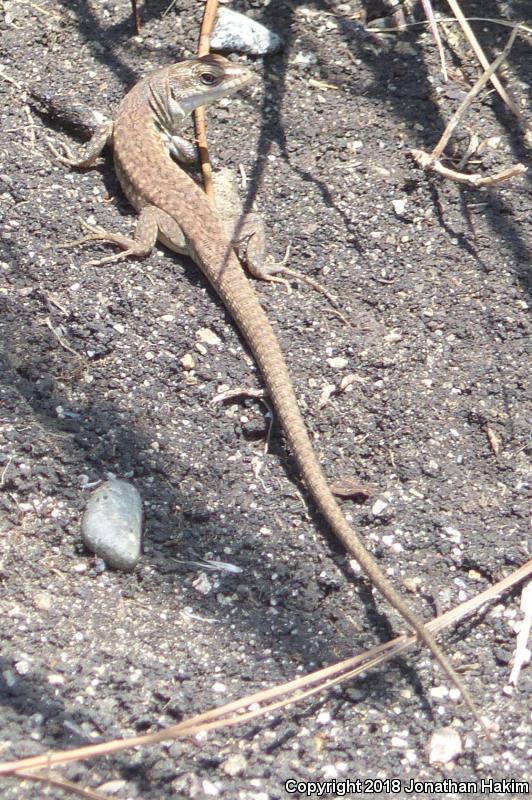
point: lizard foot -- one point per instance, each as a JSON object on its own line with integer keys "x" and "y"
{"x": 270, "y": 272}
{"x": 318, "y": 287}
{"x": 265, "y": 268}
{"x": 89, "y": 152}
{"x": 299, "y": 276}
{"x": 93, "y": 233}
{"x": 66, "y": 157}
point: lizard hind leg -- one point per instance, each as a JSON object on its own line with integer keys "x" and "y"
{"x": 247, "y": 234}
{"x": 140, "y": 244}
{"x": 245, "y": 231}
{"x": 248, "y": 237}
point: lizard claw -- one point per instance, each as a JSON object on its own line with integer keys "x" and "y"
{"x": 92, "y": 234}
{"x": 97, "y": 262}
{"x": 66, "y": 157}
{"x": 269, "y": 272}
{"x": 88, "y": 155}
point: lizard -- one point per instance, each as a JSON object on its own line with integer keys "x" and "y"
{"x": 146, "y": 140}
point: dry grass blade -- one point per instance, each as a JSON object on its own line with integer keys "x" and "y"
{"x": 473, "y": 41}
{"x": 60, "y": 783}
{"x": 433, "y": 25}
{"x": 522, "y": 655}
{"x": 270, "y": 700}
{"x": 473, "y": 92}
{"x": 506, "y": 23}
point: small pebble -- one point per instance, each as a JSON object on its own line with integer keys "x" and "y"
{"x": 378, "y": 507}
{"x": 304, "y": 59}
{"x": 10, "y": 678}
{"x": 112, "y": 524}
{"x": 210, "y": 789}
{"x": 234, "y": 765}
{"x": 202, "y": 584}
{"x": 112, "y": 787}
{"x": 439, "y": 692}
{"x": 241, "y": 34}
{"x": 398, "y": 741}
{"x": 412, "y": 584}
{"x": 207, "y": 336}
{"x": 445, "y": 744}
{"x": 338, "y": 362}
{"x": 399, "y": 206}
{"x": 42, "y": 601}
{"x": 187, "y": 362}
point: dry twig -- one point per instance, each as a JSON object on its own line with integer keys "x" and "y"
{"x": 136, "y": 16}
{"x": 432, "y": 161}
{"x": 433, "y": 25}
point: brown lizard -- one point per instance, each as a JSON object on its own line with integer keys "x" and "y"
{"x": 172, "y": 208}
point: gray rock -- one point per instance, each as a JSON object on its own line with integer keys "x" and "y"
{"x": 236, "y": 32}
{"x": 112, "y": 524}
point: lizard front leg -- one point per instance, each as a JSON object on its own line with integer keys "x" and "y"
{"x": 89, "y": 152}
{"x": 145, "y": 236}
{"x": 182, "y": 150}
{"x": 152, "y": 223}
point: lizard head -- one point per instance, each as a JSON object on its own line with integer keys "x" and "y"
{"x": 193, "y": 83}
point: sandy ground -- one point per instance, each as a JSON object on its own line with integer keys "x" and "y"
{"x": 433, "y": 279}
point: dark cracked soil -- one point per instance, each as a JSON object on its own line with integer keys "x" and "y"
{"x": 433, "y": 278}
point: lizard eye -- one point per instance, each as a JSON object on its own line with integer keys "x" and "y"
{"x": 207, "y": 78}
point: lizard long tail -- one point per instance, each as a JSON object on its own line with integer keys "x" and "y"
{"x": 210, "y": 249}
{"x": 242, "y": 302}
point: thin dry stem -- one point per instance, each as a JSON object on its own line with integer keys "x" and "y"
{"x": 270, "y": 700}
{"x": 61, "y": 783}
{"x": 136, "y": 16}
{"x": 204, "y": 43}
{"x": 472, "y": 93}
{"x": 429, "y": 13}
{"x": 522, "y": 655}
{"x": 426, "y": 161}
{"x": 432, "y": 161}
{"x": 473, "y": 41}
